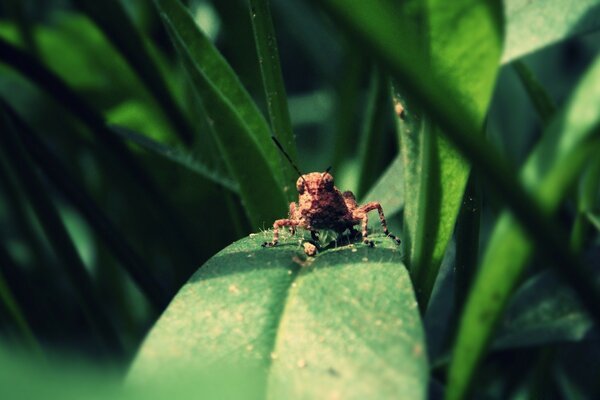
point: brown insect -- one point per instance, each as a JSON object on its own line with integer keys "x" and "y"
{"x": 322, "y": 206}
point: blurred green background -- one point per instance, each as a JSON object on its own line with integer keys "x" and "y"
{"x": 147, "y": 198}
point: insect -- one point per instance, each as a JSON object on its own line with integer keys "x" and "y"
{"x": 322, "y": 206}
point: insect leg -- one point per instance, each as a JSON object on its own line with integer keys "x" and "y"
{"x": 276, "y": 225}
{"x": 314, "y": 235}
{"x": 292, "y": 215}
{"x": 376, "y": 206}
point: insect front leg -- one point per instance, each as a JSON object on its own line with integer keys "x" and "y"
{"x": 292, "y": 216}
{"x": 362, "y": 212}
{"x": 276, "y": 225}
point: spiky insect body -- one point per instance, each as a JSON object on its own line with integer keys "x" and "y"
{"x": 321, "y": 205}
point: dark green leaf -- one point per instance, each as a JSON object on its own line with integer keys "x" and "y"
{"x": 268, "y": 59}
{"x": 219, "y": 74}
{"x": 111, "y": 17}
{"x": 549, "y": 172}
{"x": 56, "y": 234}
{"x": 389, "y": 189}
{"x": 178, "y": 155}
{"x": 346, "y": 321}
{"x": 542, "y": 311}
{"x": 261, "y": 194}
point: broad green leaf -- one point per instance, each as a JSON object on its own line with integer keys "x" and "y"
{"x": 246, "y": 157}
{"x": 535, "y": 24}
{"x": 225, "y": 82}
{"x": 549, "y": 172}
{"x": 543, "y": 311}
{"x": 463, "y": 46}
{"x": 389, "y": 189}
{"x": 344, "y": 323}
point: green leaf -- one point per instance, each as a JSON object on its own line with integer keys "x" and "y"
{"x": 110, "y": 16}
{"x": 594, "y": 219}
{"x": 344, "y": 323}
{"x": 270, "y": 68}
{"x": 178, "y": 155}
{"x": 434, "y": 170}
{"x": 371, "y": 146}
{"x": 389, "y": 189}
{"x": 261, "y": 194}
{"x": 538, "y": 96}
{"x": 549, "y": 172}
{"x": 542, "y": 311}
{"x": 532, "y": 25}
{"x": 225, "y": 82}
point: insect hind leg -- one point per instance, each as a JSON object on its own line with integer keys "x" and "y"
{"x": 374, "y": 205}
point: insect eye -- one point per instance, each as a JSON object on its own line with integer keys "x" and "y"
{"x": 300, "y": 186}
{"x": 328, "y": 183}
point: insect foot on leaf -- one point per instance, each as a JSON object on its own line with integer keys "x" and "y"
{"x": 322, "y": 206}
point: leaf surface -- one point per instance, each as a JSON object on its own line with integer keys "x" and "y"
{"x": 346, "y": 321}
{"x": 533, "y": 25}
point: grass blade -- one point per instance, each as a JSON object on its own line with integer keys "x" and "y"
{"x": 467, "y": 243}
{"x": 270, "y": 68}
{"x": 179, "y": 156}
{"x": 57, "y": 235}
{"x": 586, "y": 197}
{"x": 12, "y": 307}
{"x": 224, "y": 81}
{"x": 262, "y": 197}
{"x": 379, "y": 108}
{"x": 76, "y": 105}
{"x": 537, "y": 94}
{"x": 112, "y": 19}
{"x": 549, "y": 172}
{"x": 110, "y": 235}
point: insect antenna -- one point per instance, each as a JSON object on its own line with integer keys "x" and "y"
{"x": 288, "y": 158}
{"x": 327, "y": 170}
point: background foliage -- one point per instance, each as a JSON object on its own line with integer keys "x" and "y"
{"x": 134, "y": 146}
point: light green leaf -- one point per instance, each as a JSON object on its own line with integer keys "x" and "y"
{"x": 344, "y": 323}
{"x": 463, "y": 46}
{"x": 389, "y": 189}
{"x": 232, "y": 120}
{"x": 550, "y": 172}
{"x": 535, "y": 24}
